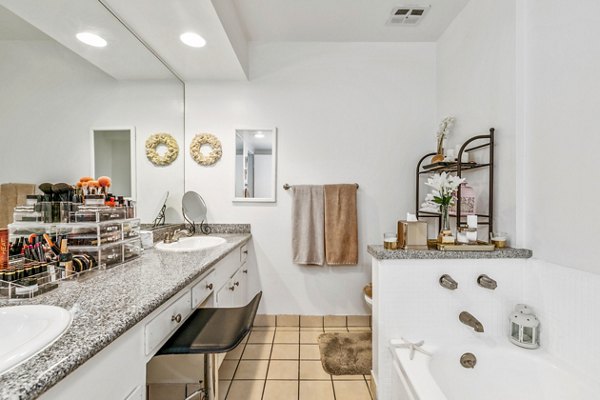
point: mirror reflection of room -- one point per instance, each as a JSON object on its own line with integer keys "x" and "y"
{"x": 254, "y": 161}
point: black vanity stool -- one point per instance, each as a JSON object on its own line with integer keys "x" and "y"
{"x": 210, "y": 331}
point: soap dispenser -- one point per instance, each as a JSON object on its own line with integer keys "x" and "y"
{"x": 524, "y": 327}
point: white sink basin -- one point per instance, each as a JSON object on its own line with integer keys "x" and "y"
{"x": 194, "y": 243}
{"x": 27, "y": 330}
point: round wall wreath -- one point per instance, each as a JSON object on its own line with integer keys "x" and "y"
{"x": 156, "y": 140}
{"x": 213, "y": 142}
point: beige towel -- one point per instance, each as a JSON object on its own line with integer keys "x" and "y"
{"x": 341, "y": 225}
{"x": 11, "y": 195}
{"x": 308, "y": 246}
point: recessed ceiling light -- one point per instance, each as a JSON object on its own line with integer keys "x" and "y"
{"x": 192, "y": 39}
{"x": 91, "y": 39}
{"x": 259, "y": 135}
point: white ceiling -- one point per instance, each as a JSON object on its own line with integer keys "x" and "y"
{"x": 124, "y": 57}
{"x": 160, "y": 22}
{"x": 341, "y": 20}
{"x": 14, "y": 28}
{"x": 227, "y": 26}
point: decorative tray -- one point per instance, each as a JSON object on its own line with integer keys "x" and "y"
{"x": 480, "y": 246}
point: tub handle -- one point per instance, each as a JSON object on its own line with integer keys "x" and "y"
{"x": 486, "y": 282}
{"x": 447, "y": 282}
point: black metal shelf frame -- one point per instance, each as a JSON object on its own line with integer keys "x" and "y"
{"x": 459, "y": 168}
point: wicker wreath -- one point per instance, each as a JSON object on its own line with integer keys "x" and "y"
{"x": 213, "y": 142}
{"x": 161, "y": 139}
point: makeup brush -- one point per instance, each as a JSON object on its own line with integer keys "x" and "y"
{"x": 104, "y": 182}
{"x": 62, "y": 190}
{"x": 52, "y": 245}
{"x": 46, "y": 188}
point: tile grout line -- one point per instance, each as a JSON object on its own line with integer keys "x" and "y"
{"x": 237, "y": 365}
{"x": 299, "y": 356}
{"x": 368, "y": 387}
{"x": 269, "y": 361}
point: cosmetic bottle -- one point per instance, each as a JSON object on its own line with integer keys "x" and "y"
{"x": 4, "y": 248}
{"x": 9, "y": 275}
{"x": 66, "y": 262}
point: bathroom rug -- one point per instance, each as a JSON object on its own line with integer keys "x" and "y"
{"x": 346, "y": 353}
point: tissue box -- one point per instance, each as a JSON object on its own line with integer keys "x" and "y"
{"x": 412, "y": 235}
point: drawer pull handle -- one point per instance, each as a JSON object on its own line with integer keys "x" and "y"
{"x": 231, "y": 287}
{"x": 209, "y": 286}
{"x": 245, "y": 251}
{"x": 176, "y": 318}
{"x": 237, "y": 284}
{"x": 245, "y": 271}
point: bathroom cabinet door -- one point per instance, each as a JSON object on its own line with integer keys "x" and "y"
{"x": 238, "y": 288}
{"x": 226, "y": 295}
{"x": 244, "y": 289}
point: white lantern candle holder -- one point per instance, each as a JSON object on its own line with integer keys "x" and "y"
{"x": 524, "y": 327}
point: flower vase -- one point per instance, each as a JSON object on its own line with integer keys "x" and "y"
{"x": 445, "y": 235}
{"x": 445, "y": 222}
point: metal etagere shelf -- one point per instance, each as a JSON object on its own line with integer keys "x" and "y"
{"x": 458, "y": 167}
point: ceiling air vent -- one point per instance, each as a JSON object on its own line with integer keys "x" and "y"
{"x": 407, "y": 15}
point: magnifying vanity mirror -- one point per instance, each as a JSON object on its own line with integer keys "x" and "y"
{"x": 255, "y": 165}
{"x": 194, "y": 211}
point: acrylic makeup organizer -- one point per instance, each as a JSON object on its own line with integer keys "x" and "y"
{"x": 102, "y": 233}
{"x": 26, "y": 279}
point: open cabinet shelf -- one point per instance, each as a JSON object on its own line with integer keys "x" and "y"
{"x": 459, "y": 168}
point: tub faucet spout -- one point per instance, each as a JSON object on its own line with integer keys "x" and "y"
{"x": 469, "y": 320}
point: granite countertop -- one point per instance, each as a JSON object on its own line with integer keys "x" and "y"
{"x": 380, "y": 253}
{"x": 106, "y": 305}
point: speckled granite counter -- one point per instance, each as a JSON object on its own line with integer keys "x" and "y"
{"x": 105, "y": 306}
{"x": 380, "y": 253}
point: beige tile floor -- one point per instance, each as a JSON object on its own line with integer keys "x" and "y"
{"x": 283, "y": 363}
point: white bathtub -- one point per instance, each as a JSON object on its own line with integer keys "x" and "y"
{"x": 503, "y": 372}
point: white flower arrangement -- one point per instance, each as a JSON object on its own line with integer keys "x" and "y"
{"x": 443, "y": 132}
{"x": 444, "y": 189}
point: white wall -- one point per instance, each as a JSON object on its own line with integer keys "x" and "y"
{"x": 476, "y": 84}
{"x": 562, "y": 93}
{"x": 345, "y": 113}
{"x": 53, "y": 98}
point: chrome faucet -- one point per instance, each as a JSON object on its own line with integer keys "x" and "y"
{"x": 447, "y": 282}
{"x": 174, "y": 236}
{"x": 486, "y": 282}
{"x": 469, "y": 320}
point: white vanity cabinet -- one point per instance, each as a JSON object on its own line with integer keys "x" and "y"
{"x": 119, "y": 370}
{"x": 236, "y": 290}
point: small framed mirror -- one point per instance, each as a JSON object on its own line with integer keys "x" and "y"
{"x": 113, "y": 155}
{"x": 255, "y": 165}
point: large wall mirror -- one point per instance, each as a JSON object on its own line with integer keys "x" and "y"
{"x": 59, "y": 88}
{"x": 255, "y": 165}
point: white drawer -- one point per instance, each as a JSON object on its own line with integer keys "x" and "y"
{"x": 203, "y": 289}
{"x": 243, "y": 253}
{"x": 167, "y": 322}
